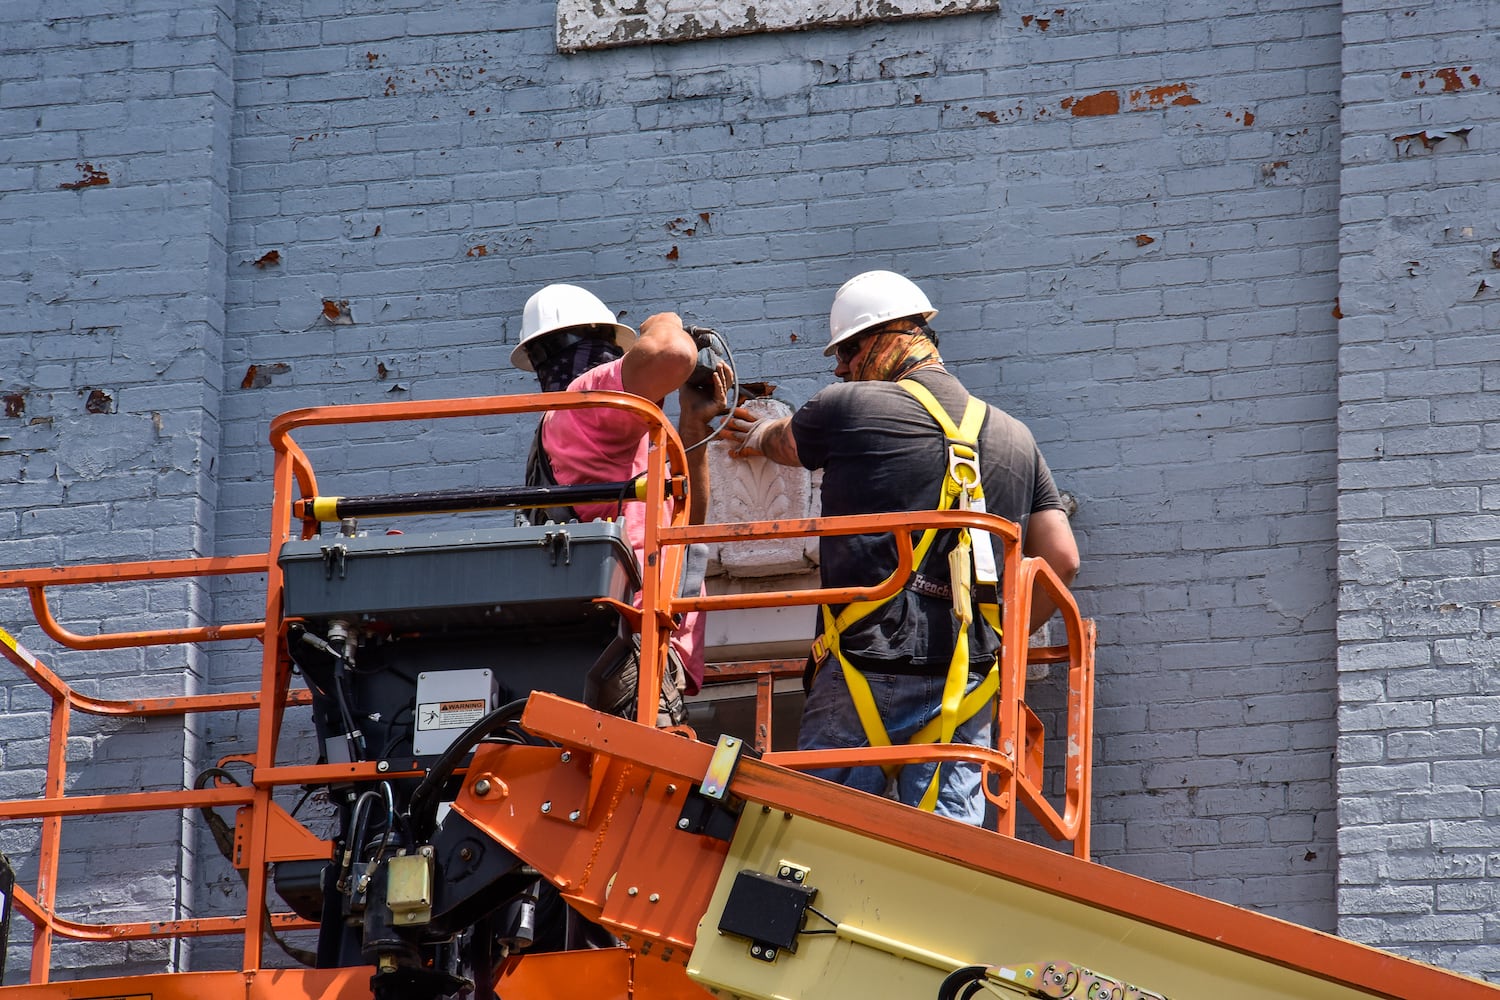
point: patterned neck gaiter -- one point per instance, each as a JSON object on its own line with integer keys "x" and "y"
{"x": 893, "y": 356}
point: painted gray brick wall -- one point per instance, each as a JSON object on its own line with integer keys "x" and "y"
{"x": 1418, "y": 352}
{"x": 1130, "y": 219}
{"x": 1128, "y": 224}
{"x": 114, "y": 125}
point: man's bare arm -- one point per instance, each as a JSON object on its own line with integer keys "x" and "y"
{"x": 1049, "y": 537}
{"x": 661, "y": 359}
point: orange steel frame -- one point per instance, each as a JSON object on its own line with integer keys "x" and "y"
{"x": 264, "y": 831}
{"x": 611, "y": 844}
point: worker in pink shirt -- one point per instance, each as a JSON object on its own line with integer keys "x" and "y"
{"x": 572, "y": 341}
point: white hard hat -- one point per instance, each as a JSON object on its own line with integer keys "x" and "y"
{"x": 560, "y": 307}
{"x": 870, "y": 299}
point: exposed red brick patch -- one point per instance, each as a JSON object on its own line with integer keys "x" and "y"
{"x": 92, "y": 177}
{"x": 1245, "y": 118}
{"x": 672, "y": 253}
{"x": 1143, "y": 240}
{"x": 1156, "y": 97}
{"x": 381, "y": 371}
{"x": 336, "y": 311}
{"x": 1042, "y": 22}
{"x": 990, "y": 116}
{"x": 268, "y": 259}
{"x": 1106, "y": 102}
{"x": 1451, "y": 77}
{"x": 1338, "y": 313}
{"x": 15, "y": 404}
{"x": 479, "y": 250}
{"x": 98, "y": 401}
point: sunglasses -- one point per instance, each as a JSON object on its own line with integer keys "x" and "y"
{"x": 846, "y": 351}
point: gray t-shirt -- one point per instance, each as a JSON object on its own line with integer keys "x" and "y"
{"x": 881, "y": 451}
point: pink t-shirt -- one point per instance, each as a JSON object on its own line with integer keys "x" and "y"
{"x": 605, "y": 445}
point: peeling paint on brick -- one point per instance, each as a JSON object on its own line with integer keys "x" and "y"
{"x": 672, "y": 253}
{"x": 259, "y": 376}
{"x": 97, "y": 401}
{"x": 92, "y": 177}
{"x": 336, "y": 312}
{"x": 477, "y": 250}
{"x": 268, "y": 259}
{"x": 1143, "y": 240}
{"x": 1432, "y": 140}
{"x": 15, "y": 404}
{"x": 1452, "y": 78}
{"x": 1042, "y": 22}
{"x": 1245, "y": 118}
{"x": 1180, "y": 94}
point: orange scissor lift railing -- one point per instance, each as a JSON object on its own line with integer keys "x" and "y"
{"x": 265, "y": 832}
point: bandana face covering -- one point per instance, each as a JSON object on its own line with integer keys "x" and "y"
{"x": 566, "y": 362}
{"x": 892, "y": 356}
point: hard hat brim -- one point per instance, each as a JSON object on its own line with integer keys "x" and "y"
{"x": 860, "y": 328}
{"x": 519, "y": 358}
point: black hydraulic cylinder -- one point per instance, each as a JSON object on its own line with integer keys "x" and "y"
{"x": 328, "y": 509}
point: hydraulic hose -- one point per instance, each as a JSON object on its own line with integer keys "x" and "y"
{"x": 422, "y": 810}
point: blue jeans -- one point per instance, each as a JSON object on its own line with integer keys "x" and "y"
{"x": 906, "y": 703}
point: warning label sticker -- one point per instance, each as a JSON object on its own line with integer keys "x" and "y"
{"x": 450, "y": 714}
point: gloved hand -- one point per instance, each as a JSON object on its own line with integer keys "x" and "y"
{"x": 746, "y": 433}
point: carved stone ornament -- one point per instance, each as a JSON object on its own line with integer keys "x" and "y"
{"x": 602, "y": 24}
{"x": 757, "y": 489}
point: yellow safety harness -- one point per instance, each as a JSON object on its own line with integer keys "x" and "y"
{"x": 962, "y": 490}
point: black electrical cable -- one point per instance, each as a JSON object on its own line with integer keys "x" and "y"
{"x": 352, "y": 735}
{"x": 963, "y": 983}
{"x": 395, "y": 736}
{"x": 421, "y": 810}
{"x": 359, "y": 820}
{"x": 831, "y": 930}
